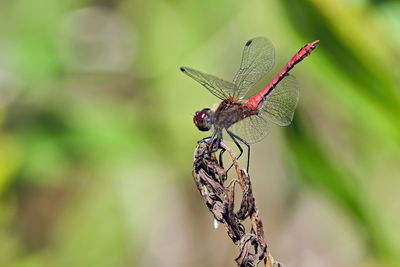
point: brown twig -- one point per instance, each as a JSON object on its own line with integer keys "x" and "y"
{"x": 210, "y": 176}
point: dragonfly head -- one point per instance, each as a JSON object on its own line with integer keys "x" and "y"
{"x": 202, "y": 119}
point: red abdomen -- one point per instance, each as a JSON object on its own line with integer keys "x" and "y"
{"x": 256, "y": 101}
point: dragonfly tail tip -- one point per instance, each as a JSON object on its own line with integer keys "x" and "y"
{"x": 314, "y": 44}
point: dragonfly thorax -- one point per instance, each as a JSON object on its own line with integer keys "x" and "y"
{"x": 202, "y": 119}
{"x": 231, "y": 111}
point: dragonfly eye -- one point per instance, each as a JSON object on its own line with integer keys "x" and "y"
{"x": 202, "y": 119}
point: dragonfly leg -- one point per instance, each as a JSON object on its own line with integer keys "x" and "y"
{"x": 235, "y": 138}
{"x": 219, "y": 137}
{"x": 209, "y": 137}
{"x": 211, "y": 143}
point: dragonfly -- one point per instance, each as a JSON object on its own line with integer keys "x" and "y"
{"x": 246, "y": 121}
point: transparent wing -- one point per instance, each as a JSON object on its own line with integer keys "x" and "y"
{"x": 281, "y": 103}
{"x": 252, "y": 129}
{"x": 218, "y": 87}
{"x": 257, "y": 60}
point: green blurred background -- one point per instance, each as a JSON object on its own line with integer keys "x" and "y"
{"x": 97, "y": 139}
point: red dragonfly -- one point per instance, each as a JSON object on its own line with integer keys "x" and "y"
{"x": 246, "y": 121}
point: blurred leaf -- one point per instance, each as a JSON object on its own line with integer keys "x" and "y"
{"x": 9, "y": 161}
{"x": 318, "y": 170}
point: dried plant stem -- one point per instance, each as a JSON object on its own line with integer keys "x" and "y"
{"x": 210, "y": 177}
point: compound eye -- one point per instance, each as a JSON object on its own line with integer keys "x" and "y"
{"x": 202, "y": 120}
